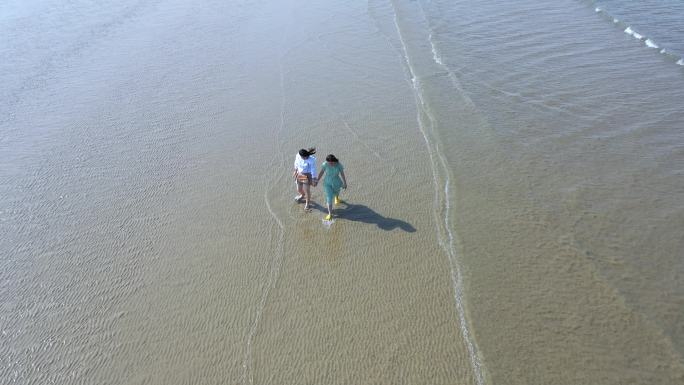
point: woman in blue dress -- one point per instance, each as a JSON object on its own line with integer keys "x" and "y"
{"x": 332, "y": 176}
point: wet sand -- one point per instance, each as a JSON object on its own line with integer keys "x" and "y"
{"x": 149, "y": 233}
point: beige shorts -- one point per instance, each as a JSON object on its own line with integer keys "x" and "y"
{"x": 304, "y": 179}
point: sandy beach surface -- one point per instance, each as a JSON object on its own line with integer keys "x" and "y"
{"x": 513, "y": 214}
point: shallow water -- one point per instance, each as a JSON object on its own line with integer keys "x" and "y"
{"x": 513, "y": 215}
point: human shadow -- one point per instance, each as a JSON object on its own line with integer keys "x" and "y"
{"x": 360, "y": 213}
{"x": 318, "y": 207}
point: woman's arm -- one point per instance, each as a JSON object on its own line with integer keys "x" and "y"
{"x": 320, "y": 174}
{"x": 314, "y": 174}
{"x": 344, "y": 180}
{"x": 294, "y": 172}
{"x": 312, "y": 164}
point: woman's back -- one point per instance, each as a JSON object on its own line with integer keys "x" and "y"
{"x": 332, "y": 172}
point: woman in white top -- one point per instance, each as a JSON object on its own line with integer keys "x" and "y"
{"x": 305, "y": 174}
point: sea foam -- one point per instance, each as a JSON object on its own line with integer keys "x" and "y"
{"x": 437, "y": 160}
{"x": 435, "y": 56}
{"x": 634, "y": 33}
{"x": 650, "y": 43}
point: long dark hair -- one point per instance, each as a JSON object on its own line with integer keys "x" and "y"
{"x": 306, "y": 153}
{"x": 331, "y": 158}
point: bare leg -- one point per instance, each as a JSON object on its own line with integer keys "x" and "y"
{"x": 329, "y": 204}
{"x": 307, "y": 197}
{"x": 300, "y": 190}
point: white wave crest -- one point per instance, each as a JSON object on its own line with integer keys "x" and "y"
{"x": 650, "y": 43}
{"x": 616, "y": 21}
{"x": 680, "y": 62}
{"x": 634, "y": 33}
{"x": 597, "y": 9}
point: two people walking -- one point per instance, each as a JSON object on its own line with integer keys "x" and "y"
{"x": 331, "y": 175}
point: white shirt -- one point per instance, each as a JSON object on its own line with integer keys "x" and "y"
{"x": 307, "y": 165}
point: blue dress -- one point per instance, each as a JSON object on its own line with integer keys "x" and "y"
{"x": 332, "y": 182}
